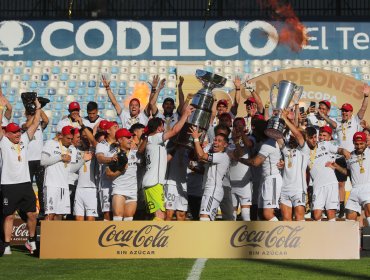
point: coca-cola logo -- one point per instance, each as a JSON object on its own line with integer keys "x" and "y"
{"x": 150, "y": 236}
{"x": 282, "y": 236}
{"x": 20, "y": 230}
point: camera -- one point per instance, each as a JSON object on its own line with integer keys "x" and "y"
{"x": 121, "y": 162}
{"x": 28, "y": 99}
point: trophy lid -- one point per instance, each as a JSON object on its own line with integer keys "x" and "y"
{"x": 210, "y": 80}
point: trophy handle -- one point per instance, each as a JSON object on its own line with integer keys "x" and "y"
{"x": 298, "y": 91}
{"x": 271, "y": 95}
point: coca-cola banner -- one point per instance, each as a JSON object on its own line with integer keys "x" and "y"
{"x": 254, "y": 240}
{"x": 20, "y": 232}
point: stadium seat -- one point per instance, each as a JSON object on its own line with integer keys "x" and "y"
{"x": 44, "y": 77}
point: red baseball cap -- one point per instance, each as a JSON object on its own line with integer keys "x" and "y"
{"x": 103, "y": 124}
{"x": 74, "y": 106}
{"x": 12, "y": 127}
{"x": 326, "y": 129}
{"x": 222, "y": 102}
{"x": 359, "y": 137}
{"x": 123, "y": 132}
{"x": 109, "y": 125}
{"x": 250, "y": 100}
{"x": 326, "y": 103}
{"x": 67, "y": 130}
{"x": 347, "y": 107}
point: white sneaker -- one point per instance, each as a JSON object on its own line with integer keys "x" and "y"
{"x": 7, "y": 250}
{"x": 31, "y": 246}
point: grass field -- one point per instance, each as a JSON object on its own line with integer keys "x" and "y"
{"x": 21, "y": 265}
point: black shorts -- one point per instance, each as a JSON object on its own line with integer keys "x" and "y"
{"x": 340, "y": 176}
{"x": 18, "y": 197}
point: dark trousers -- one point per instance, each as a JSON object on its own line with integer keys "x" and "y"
{"x": 72, "y": 195}
{"x": 194, "y": 206}
{"x": 37, "y": 171}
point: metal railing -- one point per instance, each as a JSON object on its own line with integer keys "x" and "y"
{"x": 178, "y": 9}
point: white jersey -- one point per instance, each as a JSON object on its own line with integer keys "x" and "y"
{"x": 359, "y": 176}
{"x": 15, "y": 168}
{"x": 169, "y": 121}
{"x": 312, "y": 120}
{"x": 128, "y": 179}
{"x": 86, "y": 122}
{"x": 271, "y": 151}
{"x": 87, "y": 175}
{"x": 108, "y": 150}
{"x": 176, "y": 169}
{"x": 296, "y": 161}
{"x": 156, "y": 161}
{"x": 248, "y": 124}
{"x": 65, "y": 122}
{"x": 128, "y": 121}
{"x": 240, "y": 174}
{"x": 57, "y": 174}
{"x": 35, "y": 146}
{"x": 345, "y": 132}
{"x": 320, "y": 174}
{"x": 73, "y": 177}
{"x": 216, "y": 169}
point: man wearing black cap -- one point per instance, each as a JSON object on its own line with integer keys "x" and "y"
{"x": 16, "y": 186}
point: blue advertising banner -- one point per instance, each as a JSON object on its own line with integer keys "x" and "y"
{"x": 177, "y": 40}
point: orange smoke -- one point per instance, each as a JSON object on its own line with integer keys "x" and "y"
{"x": 141, "y": 92}
{"x": 293, "y": 33}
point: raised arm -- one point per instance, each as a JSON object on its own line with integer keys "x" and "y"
{"x": 3, "y": 102}
{"x": 89, "y": 135}
{"x": 111, "y": 95}
{"x": 237, "y": 85}
{"x": 9, "y": 108}
{"x": 36, "y": 120}
{"x": 297, "y": 134}
{"x": 328, "y": 120}
{"x": 181, "y": 95}
{"x": 177, "y": 127}
{"x": 152, "y": 105}
{"x": 254, "y": 161}
{"x": 361, "y": 112}
{"x": 201, "y": 155}
{"x": 44, "y": 119}
{"x": 251, "y": 87}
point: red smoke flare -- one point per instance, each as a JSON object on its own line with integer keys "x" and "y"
{"x": 293, "y": 33}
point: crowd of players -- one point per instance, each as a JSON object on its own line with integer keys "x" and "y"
{"x": 94, "y": 169}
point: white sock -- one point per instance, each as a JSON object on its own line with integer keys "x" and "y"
{"x": 332, "y": 220}
{"x": 204, "y": 219}
{"x": 274, "y": 219}
{"x": 246, "y": 214}
{"x": 117, "y": 218}
{"x": 301, "y": 220}
{"x": 368, "y": 221}
{"x": 318, "y": 220}
{"x": 234, "y": 215}
{"x": 128, "y": 218}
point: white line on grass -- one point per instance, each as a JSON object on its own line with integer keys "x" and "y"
{"x": 197, "y": 269}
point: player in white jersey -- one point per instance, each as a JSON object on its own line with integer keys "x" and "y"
{"x": 325, "y": 184}
{"x": 240, "y": 174}
{"x": 92, "y": 118}
{"x": 16, "y": 188}
{"x": 345, "y": 129}
{"x": 56, "y": 158}
{"x": 156, "y": 161}
{"x": 133, "y": 115}
{"x": 74, "y": 112}
{"x": 320, "y": 117}
{"x": 296, "y": 157}
{"x": 34, "y": 155}
{"x": 268, "y": 157}
{"x": 358, "y": 166}
{"x": 106, "y": 152}
{"x": 217, "y": 165}
{"x": 124, "y": 192}
{"x": 86, "y": 200}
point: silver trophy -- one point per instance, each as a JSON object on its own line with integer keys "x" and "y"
{"x": 286, "y": 92}
{"x": 202, "y": 102}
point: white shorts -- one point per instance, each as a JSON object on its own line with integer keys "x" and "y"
{"x": 130, "y": 195}
{"x": 57, "y": 201}
{"x": 293, "y": 199}
{"x": 211, "y": 200}
{"x": 86, "y": 202}
{"x": 270, "y": 192}
{"x": 175, "y": 199}
{"x": 106, "y": 199}
{"x": 326, "y": 197}
{"x": 242, "y": 196}
{"x": 358, "y": 197}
